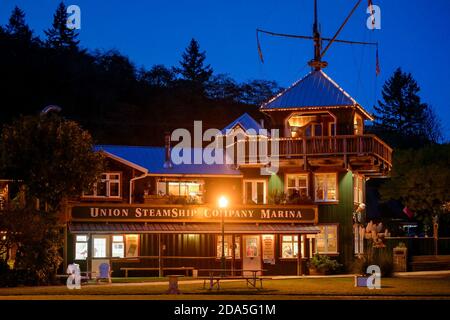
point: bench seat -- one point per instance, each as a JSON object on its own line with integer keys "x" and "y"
{"x": 126, "y": 269}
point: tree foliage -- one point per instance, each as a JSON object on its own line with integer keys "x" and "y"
{"x": 421, "y": 181}
{"x": 402, "y": 119}
{"x": 59, "y": 36}
{"x": 52, "y": 157}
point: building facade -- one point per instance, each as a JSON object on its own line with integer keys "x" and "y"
{"x": 152, "y": 216}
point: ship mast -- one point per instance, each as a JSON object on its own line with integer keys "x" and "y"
{"x": 317, "y": 62}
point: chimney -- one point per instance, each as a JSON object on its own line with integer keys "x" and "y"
{"x": 167, "y": 160}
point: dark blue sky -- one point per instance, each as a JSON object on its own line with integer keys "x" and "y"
{"x": 414, "y": 35}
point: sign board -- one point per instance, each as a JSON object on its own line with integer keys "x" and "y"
{"x": 179, "y": 213}
{"x": 268, "y": 242}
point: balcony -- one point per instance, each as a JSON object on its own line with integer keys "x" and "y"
{"x": 366, "y": 152}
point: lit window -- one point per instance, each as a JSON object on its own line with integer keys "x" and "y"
{"x": 132, "y": 245}
{"x": 255, "y": 191}
{"x": 190, "y": 189}
{"x": 358, "y": 187}
{"x": 297, "y": 185}
{"x": 107, "y": 187}
{"x": 325, "y": 186}
{"x": 100, "y": 247}
{"x": 81, "y": 247}
{"x": 289, "y": 246}
{"x": 326, "y": 240}
{"x": 118, "y": 246}
{"x": 228, "y": 248}
{"x": 358, "y": 124}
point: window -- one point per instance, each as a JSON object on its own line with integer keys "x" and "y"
{"x": 254, "y": 191}
{"x": 193, "y": 189}
{"x": 107, "y": 187}
{"x": 325, "y": 186}
{"x": 358, "y": 188}
{"x": 297, "y": 185}
{"x": 100, "y": 245}
{"x": 358, "y": 124}
{"x": 81, "y": 247}
{"x": 228, "y": 247}
{"x": 131, "y": 245}
{"x": 326, "y": 240}
{"x": 118, "y": 247}
{"x": 289, "y": 246}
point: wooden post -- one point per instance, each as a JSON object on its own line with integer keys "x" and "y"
{"x": 160, "y": 256}
{"x": 306, "y": 246}
{"x": 299, "y": 255}
{"x": 233, "y": 254}
{"x": 65, "y": 248}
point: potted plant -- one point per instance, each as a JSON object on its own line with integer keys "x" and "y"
{"x": 322, "y": 264}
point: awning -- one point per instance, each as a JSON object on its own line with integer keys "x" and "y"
{"x": 190, "y": 228}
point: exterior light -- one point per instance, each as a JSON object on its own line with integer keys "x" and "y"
{"x": 223, "y": 202}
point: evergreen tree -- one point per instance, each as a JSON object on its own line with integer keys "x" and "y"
{"x": 192, "y": 66}
{"x": 17, "y": 26}
{"x": 402, "y": 118}
{"x": 59, "y": 36}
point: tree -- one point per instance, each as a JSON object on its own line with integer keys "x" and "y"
{"x": 420, "y": 180}
{"x": 59, "y": 36}
{"x": 223, "y": 87}
{"x": 402, "y": 118}
{"x": 257, "y": 91}
{"x": 17, "y": 26}
{"x": 158, "y": 76}
{"x": 192, "y": 68}
{"x": 53, "y": 158}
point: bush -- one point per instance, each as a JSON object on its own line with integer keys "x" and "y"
{"x": 375, "y": 256}
{"x": 323, "y": 264}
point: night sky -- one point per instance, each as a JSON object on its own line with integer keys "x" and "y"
{"x": 414, "y": 35}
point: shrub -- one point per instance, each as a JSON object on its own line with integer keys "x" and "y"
{"x": 324, "y": 264}
{"x": 375, "y": 256}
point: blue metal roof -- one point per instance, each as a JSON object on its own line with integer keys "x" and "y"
{"x": 153, "y": 158}
{"x": 316, "y": 89}
{"x": 246, "y": 122}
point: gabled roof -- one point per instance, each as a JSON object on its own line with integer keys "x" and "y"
{"x": 246, "y": 122}
{"x": 153, "y": 158}
{"x": 316, "y": 89}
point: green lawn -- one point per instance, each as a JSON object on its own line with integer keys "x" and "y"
{"x": 273, "y": 289}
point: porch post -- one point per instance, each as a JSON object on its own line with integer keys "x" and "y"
{"x": 233, "y": 253}
{"x": 160, "y": 256}
{"x": 299, "y": 255}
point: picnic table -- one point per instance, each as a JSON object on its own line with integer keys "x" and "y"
{"x": 216, "y": 275}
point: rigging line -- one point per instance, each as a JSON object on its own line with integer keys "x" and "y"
{"x": 340, "y": 29}
{"x": 295, "y": 36}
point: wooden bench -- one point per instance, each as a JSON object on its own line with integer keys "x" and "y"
{"x": 430, "y": 263}
{"x": 215, "y": 280}
{"x": 126, "y": 269}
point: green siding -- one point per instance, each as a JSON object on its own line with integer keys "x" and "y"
{"x": 276, "y": 185}
{"x": 342, "y": 213}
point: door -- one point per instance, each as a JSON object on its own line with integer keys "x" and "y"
{"x": 252, "y": 254}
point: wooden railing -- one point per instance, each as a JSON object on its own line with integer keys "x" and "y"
{"x": 367, "y": 144}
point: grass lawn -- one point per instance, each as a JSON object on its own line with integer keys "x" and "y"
{"x": 328, "y": 288}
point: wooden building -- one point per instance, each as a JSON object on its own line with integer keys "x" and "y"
{"x": 147, "y": 212}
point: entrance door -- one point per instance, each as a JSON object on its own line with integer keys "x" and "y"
{"x": 252, "y": 254}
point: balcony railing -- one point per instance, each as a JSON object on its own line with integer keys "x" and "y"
{"x": 345, "y": 145}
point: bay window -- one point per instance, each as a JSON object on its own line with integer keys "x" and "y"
{"x": 325, "y": 185}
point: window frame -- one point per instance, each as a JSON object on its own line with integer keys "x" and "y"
{"x": 358, "y": 188}
{"x": 237, "y": 239}
{"x": 254, "y": 184}
{"x": 166, "y": 183}
{"x": 94, "y": 194}
{"x": 286, "y": 180}
{"x": 86, "y": 242}
{"x": 326, "y": 200}
{"x": 302, "y": 248}
{"x": 327, "y": 225}
{"x": 107, "y": 245}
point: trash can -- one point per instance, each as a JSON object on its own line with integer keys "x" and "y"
{"x": 400, "y": 258}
